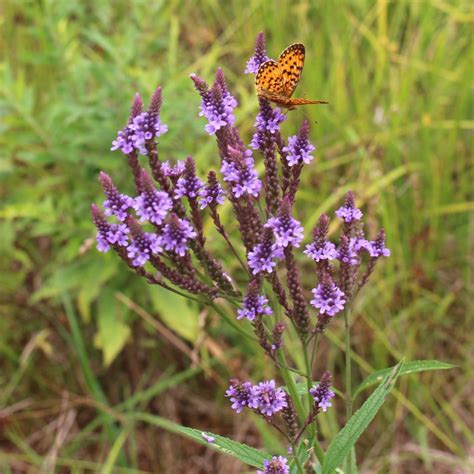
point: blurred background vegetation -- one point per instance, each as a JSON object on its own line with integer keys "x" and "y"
{"x": 83, "y": 340}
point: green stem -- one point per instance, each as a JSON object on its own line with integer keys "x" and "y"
{"x": 291, "y": 386}
{"x": 309, "y": 375}
{"x": 297, "y": 461}
{"x": 348, "y": 381}
{"x": 309, "y": 385}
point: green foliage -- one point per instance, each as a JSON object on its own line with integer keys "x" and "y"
{"x": 398, "y": 131}
{"x": 343, "y": 442}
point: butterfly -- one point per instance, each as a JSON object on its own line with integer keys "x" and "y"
{"x": 277, "y": 80}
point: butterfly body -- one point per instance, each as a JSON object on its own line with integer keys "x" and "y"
{"x": 276, "y": 81}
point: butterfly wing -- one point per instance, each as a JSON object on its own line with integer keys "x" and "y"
{"x": 290, "y": 65}
{"x": 269, "y": 81}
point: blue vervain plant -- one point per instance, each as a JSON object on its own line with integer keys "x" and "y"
{"x": 159, "y": 234}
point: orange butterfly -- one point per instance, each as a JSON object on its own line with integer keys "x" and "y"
{"x": 276, "y": 81}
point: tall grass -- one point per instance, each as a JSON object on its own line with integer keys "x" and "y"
{"x": 79, "y": 335}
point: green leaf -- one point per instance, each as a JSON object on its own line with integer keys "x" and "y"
{"x": 408, "y": 368}
{"x": 176, "y": 312}
{"x": 347, "y": 437}
{"x": 244, "y": 453}
{"x": 112, "y": 332}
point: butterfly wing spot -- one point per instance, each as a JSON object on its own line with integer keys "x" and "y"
{"x": 269, "y": 78}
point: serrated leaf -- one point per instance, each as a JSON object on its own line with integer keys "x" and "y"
{"x": 244, "y": 453}
{"x": 343, "y": 442}
{"x": 408, "y": 368}
{"x": 176, "y": 312}
{"x": 112, "y": 332}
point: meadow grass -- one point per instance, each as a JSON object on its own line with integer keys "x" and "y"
{"x": 85, "y": 345}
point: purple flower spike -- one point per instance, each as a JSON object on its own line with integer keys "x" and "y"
{"x": 287, "y": 230}
{"x": 176, "y": 235}
{"x": 349, "y": 212}
{"x": 299, "y": 148}
{"x": 267, "y": 399}
{"x": 125, "y": 140}
{"x": 262, "y": 257}
{"x": 348, "y": 251}
{"x": 377, "y": 247}
{"x": 213, "y": 193}
{"x": 189, "y": 184}
{"x": 217, "y": 103}
{"x": 317, "y": 253}
{"x": 239, "y": 394}
{"x": 328, "y": 298}
{"x": 260, "y": 56}
{"x": 320, "y": 249}
{"x": 152, "y": 205}
{"x": 277, "y": 465}
{"x": 108, "y": 234}
{"x": 116, "y": 204}
{"x": 241, "y": 175}
{"x": 146, "y": 127}
{"x": 142, "y": 247}
{"x": 254, "y": 304}
{"x": 173, "y": 171}
{"x": 268, "y": 122}
{"x": 323, "y": 393}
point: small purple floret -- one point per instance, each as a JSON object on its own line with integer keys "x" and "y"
{"x": 142, "y": 247}
{"x": 253, "y": 306}
{"x": 318, "y": 253}
{"x": 268, "y": 399}
{"x": 208, "y": 438}
{"x": 176, "y": 235}
{"x": 110, "y": 235}
{"x": 377, "y": 247}
{"x": 277, "y": 465}
{"x": 262, "y": 257}
{"x": 349, "y": 212}
{"x": 299, "y": 147}
{"x": 287, "y": 230}
{"x": 189, "y": 186}
{"x": 239, "y": 394}
{"x": 146, "y": 127}
{"x": 242, "y": 176}
{"x": 211, "y": 195}
{"x": 328, "y": 298}
{"x": 268, "y": 121}
{"x": 173, "y": 171}
{"x": 153, "y": 205}
{"x": 322, "y": 394}
{"x": 125, "y": 141}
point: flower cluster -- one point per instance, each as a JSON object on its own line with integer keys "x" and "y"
{"x": 265, "y": 254}
{"x": 328, "y": 298}
{"x": 241, "y": 175}
{"x": 277, "y": 465}
{"x": 217, "y": 103}
{"x": 160, "y": 232}
{"x": 299, "y": 147}
{"x": 286, "y": 229}
{"x": 267, "y": 122}
{"x": 142, "y": 129}
{"x": 264, "y": 398}
{"x": 322, "y": 394}
{"x": 259, "y": 57}
{"x": 254, "y": 305}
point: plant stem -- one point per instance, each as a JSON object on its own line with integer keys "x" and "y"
{"x": 348, "y": 381}
{"x": 309, "y": 385}
{"x": 291, "y": 386}
{"x": 297, "y": 461}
